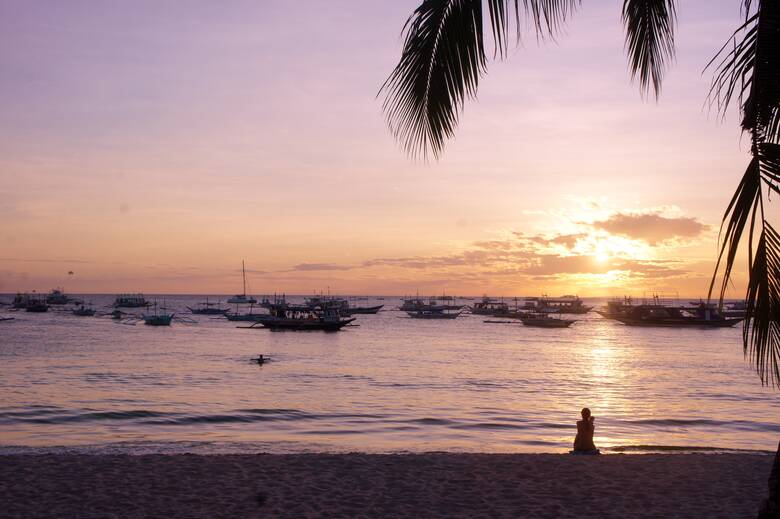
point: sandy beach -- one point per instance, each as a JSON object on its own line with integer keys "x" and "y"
{"x": 398, "y": 485}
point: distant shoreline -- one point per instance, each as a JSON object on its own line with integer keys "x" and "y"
{"x": 396, "y": 485}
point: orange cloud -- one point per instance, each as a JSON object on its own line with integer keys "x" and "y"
{"x": 651, "y": 227}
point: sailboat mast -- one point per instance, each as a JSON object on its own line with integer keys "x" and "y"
{"x": 243, "y": 274}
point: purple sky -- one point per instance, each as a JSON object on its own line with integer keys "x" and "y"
{"x": 153, "y": 145}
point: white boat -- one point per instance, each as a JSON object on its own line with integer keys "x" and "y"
{"x": 240, "y": 299}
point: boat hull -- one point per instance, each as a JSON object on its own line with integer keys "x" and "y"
{"x": 305, "y": 325}
{"x": 363, "y": 310}
{"x": 420, "y": 315}
{"x": 680, "y": 323}
{"x": 208, "y": 311}
{"x": 547, "y": 323}
{"x": 158, "y": 320}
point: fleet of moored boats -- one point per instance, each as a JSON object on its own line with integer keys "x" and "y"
{"x": 330, "y": 313}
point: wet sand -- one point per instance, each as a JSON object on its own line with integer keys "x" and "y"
{"x": 397, "y": 485}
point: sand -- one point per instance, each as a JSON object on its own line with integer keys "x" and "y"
{"x": 397, "y": 485}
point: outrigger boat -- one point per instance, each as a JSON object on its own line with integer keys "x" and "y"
{"x": 563, "y": 305}
{"x": 157, "y": 319}
{"x": 20, "y": 300}
{"x": 489, "y": 306}
{"x": 206, "y": 308}
{"x": 343, "y": 305}
{"x": 291, "y": 317}
{"x": 84, "y": 311}
{"x": 432, "y": 313}
{"x": 251, "y": 317}
{"x": 676, "y": 316}
{"x": 36, "y": 305}
{"x": 543, "y": 320}
{"x": 130, "y": 301}
{"x": 616, "y": 308}
{"x": 241, "y": 299}
{"x": 57, "y": 297}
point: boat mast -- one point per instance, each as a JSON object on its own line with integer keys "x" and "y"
{"x": 243, "y": 274}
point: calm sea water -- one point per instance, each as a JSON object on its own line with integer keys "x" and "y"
{"x": 389, "y": 384}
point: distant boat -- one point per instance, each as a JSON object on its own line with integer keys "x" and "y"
{"x": 676, "y": 316}
{"x": 157, "y": 318}
{"x": 344, "y": 307}
{"x": 616, "y": 308}
{"x": 36, "y": 305}
{"x": 57, "y": 297}
{"x": 20, "y": 300}
{"x": 545, "y": 321}
{"x": 489, "y": 306}
{"x": 242, "y": 298}
{"x": 206, "y": 308}
{"x": 130, "y": 301}
{"x": 248, "y": 317}
{"x": 290, "y": 317}
{"x": 565, "y": 305}
{"x": 84, "y": 311}
{"x": 432, "y": 313}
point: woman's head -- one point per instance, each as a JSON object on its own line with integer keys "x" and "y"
{"x": 585, "y": 413}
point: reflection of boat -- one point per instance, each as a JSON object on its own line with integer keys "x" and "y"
{"x": 543, "y": 320}
{"x": 84, "y": 311}
{"x": 242, "y": 298}
{"x": 489, "y": 306}
{"x": 206, "y": 308}
{"x": 289, "y": 317}
{"x": 130, "y": 301}
{"x": 676, "y": 316}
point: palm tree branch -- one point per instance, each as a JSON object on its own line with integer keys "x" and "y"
{"x": 443, "y": 59}
{"x": 649, "y": 28}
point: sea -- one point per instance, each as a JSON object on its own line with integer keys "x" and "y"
{"x": 386, "y": 384}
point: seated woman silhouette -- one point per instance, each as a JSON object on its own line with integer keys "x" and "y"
{"x": 583, "y": 442}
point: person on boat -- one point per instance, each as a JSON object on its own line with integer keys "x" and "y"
{"x": 583, "y": 442}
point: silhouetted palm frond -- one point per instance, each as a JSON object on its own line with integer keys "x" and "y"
{"x": 761, "y": 332}
{"x": 749, "y": 68}
{"x": 443, "y": 59}
{"x": 649, "y": 40}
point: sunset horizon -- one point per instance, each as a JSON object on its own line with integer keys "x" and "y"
{"x": 421, "y": 258}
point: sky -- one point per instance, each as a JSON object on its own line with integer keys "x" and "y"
{"x": 152, "y": 146}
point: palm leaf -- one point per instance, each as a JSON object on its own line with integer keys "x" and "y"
{"x": 761, "y": 332}
{"x": 750, "y": 68}
{"x": 443, "y": 59}
{"x": 649, "y": 40}
{"x": 762, "y": 339}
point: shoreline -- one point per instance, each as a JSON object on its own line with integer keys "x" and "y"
{"x": 384, "y": 485}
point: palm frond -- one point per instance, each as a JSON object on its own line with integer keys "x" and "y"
{"x": 443, "y": 59}
{"x": 761, "y": 332}
{"x": 750, "y": 68}
{"x": 761, "y": 338}
{"x": 740, "y": 210}
{"x": 650, "y": 28}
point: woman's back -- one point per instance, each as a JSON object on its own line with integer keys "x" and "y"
{"x": 584, "y": 439}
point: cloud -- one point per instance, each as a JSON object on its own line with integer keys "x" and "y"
{"x": 651, "y": 227}
{"x": 313, "y": 267}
